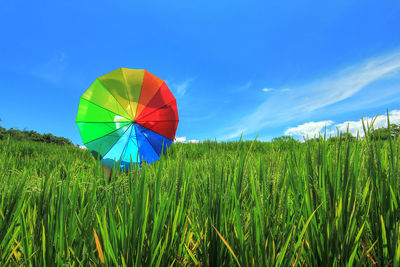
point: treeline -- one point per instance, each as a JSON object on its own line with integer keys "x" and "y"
{"x": 26, "y": 135}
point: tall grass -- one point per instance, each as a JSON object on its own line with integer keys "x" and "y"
{"x": 209, "y": 204}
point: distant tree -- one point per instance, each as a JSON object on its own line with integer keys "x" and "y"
{"x": 380, "y": 134}
{"x": 342, "y": 137}
{"x": 395, "y": 130}
{"x": 15, "y": 134}
{"x": 2, "y": 133}
{"x": 314, "y": 140}
{"x": 284, "y": 138}
{"x": 383, "y": 133}
{"x": 19, "y": 135}
{"x": 284, "y": 142}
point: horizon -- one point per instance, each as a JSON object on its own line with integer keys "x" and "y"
{"x": 265, "y": 69}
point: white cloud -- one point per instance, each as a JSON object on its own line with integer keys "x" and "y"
{"x": 83, "y": 147}
{"x": 273, "y": 89}
{"x": 304, "y": 101}
{"x": 268, "y": 89}
{"x": 180, "y": 139}
{"x": 183, "y": 140}
{"x": 357, "y": 126}
{"x": 311, "y": 129}
{"x": 308, "y": 129}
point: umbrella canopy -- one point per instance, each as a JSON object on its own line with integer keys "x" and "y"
{"x": 127, "y": 116}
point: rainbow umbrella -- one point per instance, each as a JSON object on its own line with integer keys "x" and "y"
{"x": 127, "y": 116}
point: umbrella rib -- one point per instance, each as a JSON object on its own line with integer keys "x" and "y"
{"x": 106, "y": 109}
{"x": 156, "y": 121}
{"x": 107, "y": 124}
{"x": 148, "y": 140}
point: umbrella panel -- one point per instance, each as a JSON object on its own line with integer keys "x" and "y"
{"x": 130, "y": 144}
{"x": 133, "y": 82}
{"x": 101, "y": 146}
{"x": 131, "y": 153}
{"x": 158, "y": 142}
{"x": 90, "y": 112}
{"x": 115, "y": 154}
{"x": 164, "y": 128}
{"x": 93, "y": 130}
{"x": 163, "y": 121}
{"x": 116, "y": 85}
{"x": 146, "y": 150}
{"x": 160, "y": 99}
{"x": 101, "y": 96}
{"x": 167, "y": 112}
{"x": 151, "y": 84}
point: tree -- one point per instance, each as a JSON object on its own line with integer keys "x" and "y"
{"x": 342, "y": 137}
{"x": 395, "y": 130}
{"x": 19, "y": 135}
{"x": 285, "y": 138}
{"x": 383, "y": 133}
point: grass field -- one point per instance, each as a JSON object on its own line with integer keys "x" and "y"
{"x": 208, "y": 204}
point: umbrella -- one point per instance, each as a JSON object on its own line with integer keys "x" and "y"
{"x": 127, "y": 116}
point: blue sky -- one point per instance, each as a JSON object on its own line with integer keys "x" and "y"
{"x": 253, "y": 67}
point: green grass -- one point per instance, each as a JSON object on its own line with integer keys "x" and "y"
{"x": 208, "y": 204}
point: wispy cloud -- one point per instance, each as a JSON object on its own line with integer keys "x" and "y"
{"x": 311, "y": 129}
{"x": 273, "y": 89}
{"x": 53, "y": 69}
{"x": 268, "y": 89}
{"x": 245, "y": 86}
{"x": 356, "y": 127}
{"x": 182, "y": 87}
{"x": 302, "y": 101}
